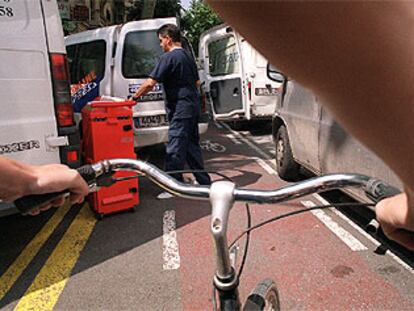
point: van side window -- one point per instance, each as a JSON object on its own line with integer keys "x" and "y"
{"x": 86, "y": 59}
{"x": 223, "y": 57}
{"x": 141, "y": 52}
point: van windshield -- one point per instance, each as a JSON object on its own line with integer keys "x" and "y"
{"x": 141, "y": 52}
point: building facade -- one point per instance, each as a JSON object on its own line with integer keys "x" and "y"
{"x": 81, "y": 15}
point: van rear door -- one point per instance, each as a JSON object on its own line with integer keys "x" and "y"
{"x": 222, "y": 73}
{"x": 28, "y": 122}
{"x": 263, "y": 92}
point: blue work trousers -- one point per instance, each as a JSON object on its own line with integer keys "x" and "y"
{"x": 184, "y": 147}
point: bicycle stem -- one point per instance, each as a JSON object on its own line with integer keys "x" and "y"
{"x": 225, "y": 279}
{"x": 222, "y": 199}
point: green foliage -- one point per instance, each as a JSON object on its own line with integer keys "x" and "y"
{"x": 163, "y": 8}
{"x": 199, "y": 18}
{"x": 167, "y": 8}
{"x": 135, "y": 11}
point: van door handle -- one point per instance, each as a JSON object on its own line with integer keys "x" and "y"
{"x": 56, "y": 141}
{"x": 236, "y": 92}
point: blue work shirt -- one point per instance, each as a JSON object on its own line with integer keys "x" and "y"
{"x": 178, "y": 73}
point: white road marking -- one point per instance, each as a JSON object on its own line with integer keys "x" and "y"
{"x": 233, "y": 139}
{"x": 171, "y": 254}
{"x": 271, "y": 170}
{"x": 218, "y": 125}
{"x": 246, "y": 141}
{"x": 352, "y": 242}
{"x": 268, "y": 168}
{"x": 364, "y": 233}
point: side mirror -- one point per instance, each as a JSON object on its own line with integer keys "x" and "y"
{"x": 274, "y": 74}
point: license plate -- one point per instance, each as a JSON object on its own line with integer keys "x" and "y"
{"x": 266, "y": 91}
{"x": 151, "y": 121}
{"x": 151, "y": 97}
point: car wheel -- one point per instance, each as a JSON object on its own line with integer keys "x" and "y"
{"x": 286, "y": 166}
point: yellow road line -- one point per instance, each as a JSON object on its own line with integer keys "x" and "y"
{"x": 45, "y": 290}
{"x": 26, "y": 256}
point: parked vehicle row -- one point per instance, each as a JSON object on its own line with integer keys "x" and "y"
{"x": 115, "y": 61}
{"x": 40, "y": 126}
{"x": 43, "y": 94}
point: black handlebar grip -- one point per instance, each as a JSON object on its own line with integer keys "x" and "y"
{"x": 87, "y": 173}
{"x": 27, "y": 203}
{"x": 378, "y": 190}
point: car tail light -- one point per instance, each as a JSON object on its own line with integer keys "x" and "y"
{"x": 72, "y": 156}
{"x": 249, "y": 89}
{"x": 61, "y": 90}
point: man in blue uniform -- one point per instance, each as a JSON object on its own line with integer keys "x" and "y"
{"x": 177, "y": 71}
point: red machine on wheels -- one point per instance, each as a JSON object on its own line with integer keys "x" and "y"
{"x": 108, "y": 133}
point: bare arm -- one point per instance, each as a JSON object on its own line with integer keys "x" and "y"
{"x": 358, "y": 57}
{"x": 18, "y": 179}
{"x": 145, "y": 87}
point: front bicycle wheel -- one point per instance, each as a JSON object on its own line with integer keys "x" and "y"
{"x": 264, "y": 297}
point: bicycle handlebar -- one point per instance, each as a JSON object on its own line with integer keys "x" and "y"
{"x": 100, "y": 174}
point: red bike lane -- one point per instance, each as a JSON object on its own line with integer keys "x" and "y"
{"x": 312, "y": 267}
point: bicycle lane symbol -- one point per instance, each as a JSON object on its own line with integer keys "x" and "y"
{"x": 210, "y": 146}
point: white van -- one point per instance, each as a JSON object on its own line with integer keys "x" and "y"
{"x": 234, "y": 77}
{"x": 36, "y": 121}
{"x": 307, "y": 136}
{"x": 114, "y": 61}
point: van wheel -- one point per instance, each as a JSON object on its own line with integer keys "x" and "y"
{"x": 286, "y": 166}
{"x": 239, "y": 125}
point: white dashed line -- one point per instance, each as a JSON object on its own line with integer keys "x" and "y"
{"x": 247, "y": 142}
{"x": 352, "y": 242}
{"x": 233, "y": 139}
{"x": 365, "y": 234}
{"x": 268, "y": 168}
{"x": 171, "y": 254}
{"x": 218, "y": 125}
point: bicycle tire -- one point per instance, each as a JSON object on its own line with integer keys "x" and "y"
{"x": 265, "y": 296}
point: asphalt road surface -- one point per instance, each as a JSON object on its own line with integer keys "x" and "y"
{"x": 161, "y": 257}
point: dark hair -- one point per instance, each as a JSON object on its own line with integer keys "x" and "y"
{"x": 170, "y": 30}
